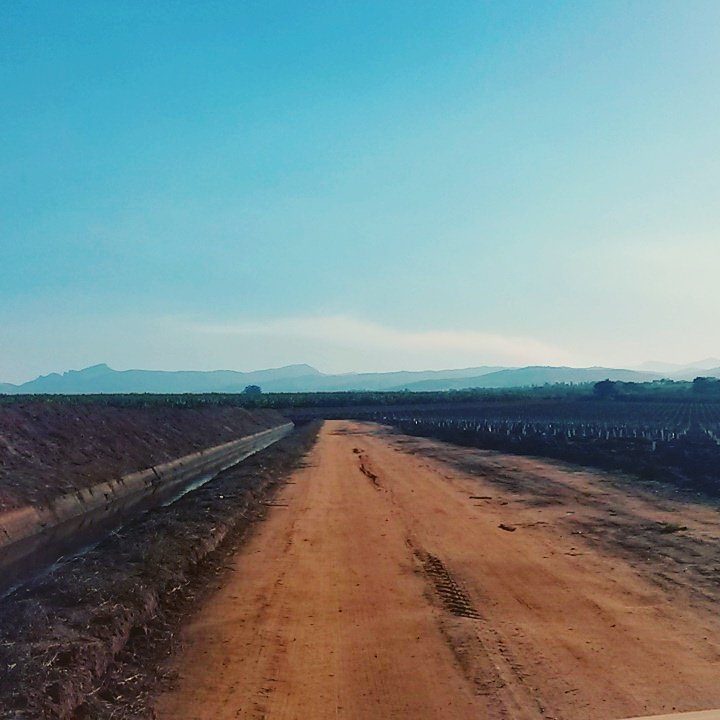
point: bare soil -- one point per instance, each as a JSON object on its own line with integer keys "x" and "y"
{"x": 399, "y": 577}
{"x": 50, "y": 448}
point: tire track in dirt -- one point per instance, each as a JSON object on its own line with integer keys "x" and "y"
{"x": 451, "y": 594}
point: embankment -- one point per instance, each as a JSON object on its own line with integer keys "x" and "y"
{"x": 49, "y": 449}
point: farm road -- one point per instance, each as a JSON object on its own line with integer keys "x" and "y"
{"x": 382, "y": 585}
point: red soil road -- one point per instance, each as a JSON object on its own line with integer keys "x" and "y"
{"x": 381, "y": 586}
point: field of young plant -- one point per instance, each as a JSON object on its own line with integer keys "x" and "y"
{"x": 677, "y": 442}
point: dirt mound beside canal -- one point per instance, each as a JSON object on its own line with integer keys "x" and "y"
{"x": 48, "y": 449}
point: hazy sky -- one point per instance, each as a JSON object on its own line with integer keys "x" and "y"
{"x": 358, "y": 185}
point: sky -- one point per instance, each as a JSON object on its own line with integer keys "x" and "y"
{"x": 361, "y": 186}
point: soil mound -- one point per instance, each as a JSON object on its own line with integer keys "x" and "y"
{"x": 49, "y": 449}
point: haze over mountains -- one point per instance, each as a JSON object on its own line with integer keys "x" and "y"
{"x": 304, "y": 378}
{"x": 709, "y": 364}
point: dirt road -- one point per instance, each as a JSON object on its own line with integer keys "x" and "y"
{"x": 402, "y": 578}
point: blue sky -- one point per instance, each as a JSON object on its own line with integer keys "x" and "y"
{"x": 361, "y": 186}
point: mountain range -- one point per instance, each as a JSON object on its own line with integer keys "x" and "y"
{"x": 305, "y": 378}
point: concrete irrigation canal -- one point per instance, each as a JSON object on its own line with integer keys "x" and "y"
{"x": 35, "y": 536}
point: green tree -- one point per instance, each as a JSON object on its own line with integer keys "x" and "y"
{"x": 605, "y": 389}
{"x": 706, "y": 386}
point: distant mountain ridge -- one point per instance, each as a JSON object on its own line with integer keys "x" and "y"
{"x": 292, "y": 378}
{"x": 305, "y": 378}
{"x": 537, "y": 375}
{"x": 374, "y": 381}
{"x": 103, "y": 379}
